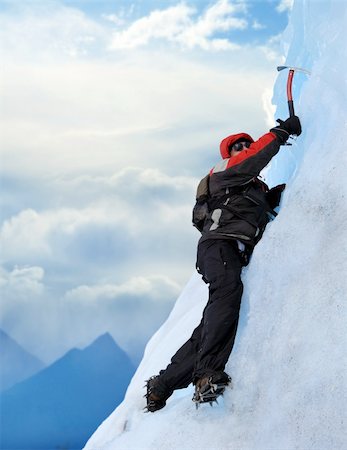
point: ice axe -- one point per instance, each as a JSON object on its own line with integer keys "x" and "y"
{"x": 289, "y": 84}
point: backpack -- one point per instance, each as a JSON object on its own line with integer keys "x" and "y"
{"x": 202, "y": 207}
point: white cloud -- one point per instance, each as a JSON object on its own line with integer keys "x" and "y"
{"x": 89, "y": 252}
{"x": 157, "y": 287}
{"x": 166, "y": 24}
{"x": 273, "y": 51}
{"x": 112, "y": 148}
{"x": 285, "y": 5}
{"x": 51, "y": 324}
{"x": 116, "y": 147}
{"x": 218, "y": 17}
{"x": 269, "y": 108}
{"x": 25, "y": 234}
{"x": 257, "y": 25}
{"x": 55, "y": 32}
{"x": 30, "y": 234}
{"x": 141, "y": 179}
{"x": 107, "y": 216}
{"x": 88, "y": 117}
{"x": 114, "y": 18}
{"x": 50, "y": 31}
{"x": 177, "y": 24}
{"x": 22, "y": 282}
{"x": 131, "y": 311}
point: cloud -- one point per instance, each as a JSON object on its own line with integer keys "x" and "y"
{"x": 22, "y": 282}
{"x": 106, "y": 222}
{"x": 272, "y": 50}
{"x": 141, "y": 303}
{"x": 150, "y": 106}
{"x": 158, "y": 287}
{"x": 31, "y": 235}
{"x": 56, "y": 31}
{"x": 269, "y": 108}
{"x": 130, "y": 186}
{"x": 178, "y": 25}
{"x": 50, "y": 325}
{"x": 285, "y": 5}
{"x": 217, "y": 18}
{"x": 102, "y": 151}
{"x": 257, "y": 25}
{"x": 114, "y": 18}
{"x": 87, "y": 268}
{"x": 51, "y": 29}
{"x": 165, "y": 24}
{"x": 136, "y": 111}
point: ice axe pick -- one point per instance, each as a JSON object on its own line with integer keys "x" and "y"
{"x": 289, "y": 84}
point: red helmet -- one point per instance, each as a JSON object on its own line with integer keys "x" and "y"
{"x": 230, "y": 140}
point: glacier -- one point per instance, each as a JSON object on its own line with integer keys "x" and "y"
{"x": 289, "y": 362}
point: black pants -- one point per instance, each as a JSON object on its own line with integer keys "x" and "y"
{"x": 208, "y": 349}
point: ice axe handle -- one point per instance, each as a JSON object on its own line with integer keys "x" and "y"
{"x": 289, "y": 93}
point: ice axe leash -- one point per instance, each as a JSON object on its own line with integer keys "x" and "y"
{"x": 289, "y": 85}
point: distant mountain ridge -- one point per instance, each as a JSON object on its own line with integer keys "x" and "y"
{"x": 17, "y": 363}
{"x": 62, "y": 405}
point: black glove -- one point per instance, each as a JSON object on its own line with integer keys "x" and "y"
{"x": 292, "y": 125}
{"x": 274, "y": 195}
{"x": 287, "y": 127}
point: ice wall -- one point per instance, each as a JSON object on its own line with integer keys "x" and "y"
{"x": 289, "y": 362}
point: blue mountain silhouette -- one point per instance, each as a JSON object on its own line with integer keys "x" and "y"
{"x": 17, "y": 364}
{"x": 61, "y": 406}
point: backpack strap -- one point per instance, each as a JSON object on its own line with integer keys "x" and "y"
{"x": 203, "y": 190}
{"x": 201, "y": 208}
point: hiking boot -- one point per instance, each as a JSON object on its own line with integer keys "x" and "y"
{"x": 209, "y": 387}
{"x": 156, "y": 398}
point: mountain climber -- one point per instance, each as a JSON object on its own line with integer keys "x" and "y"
{"x": 232, "y": 209}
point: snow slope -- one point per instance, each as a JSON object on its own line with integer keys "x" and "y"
{"x": 289, "y": 363}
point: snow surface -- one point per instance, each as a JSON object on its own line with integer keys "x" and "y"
{"x": 289, "y": 363}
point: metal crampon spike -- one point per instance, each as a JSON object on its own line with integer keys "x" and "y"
{"x": 214, "y": 387}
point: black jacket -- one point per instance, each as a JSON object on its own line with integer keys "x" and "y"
{"x": 232, "y": 203}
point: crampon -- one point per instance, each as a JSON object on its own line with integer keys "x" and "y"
{"x": 207, "y": 391}
{"x": 156, "y": 397}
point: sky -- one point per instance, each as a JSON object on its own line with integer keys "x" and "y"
{"x": 111, "y": 112}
